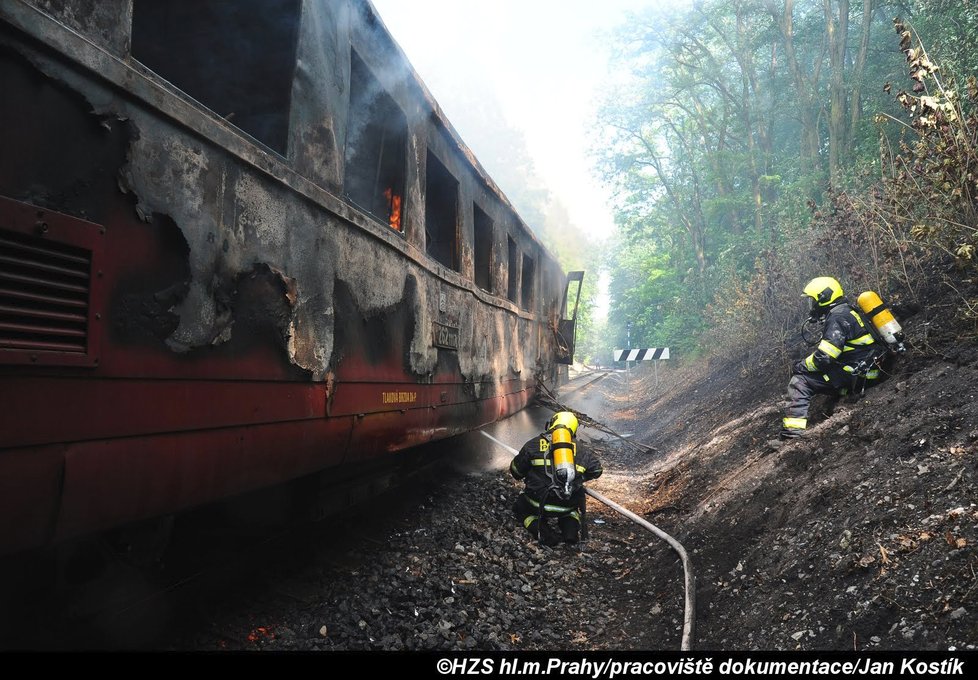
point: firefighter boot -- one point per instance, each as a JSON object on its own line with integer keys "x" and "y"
{"x": 569, "y": 529}
{"x": 548, "y": 535}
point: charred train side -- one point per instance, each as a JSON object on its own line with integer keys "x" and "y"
{"x": 239, "y": 243}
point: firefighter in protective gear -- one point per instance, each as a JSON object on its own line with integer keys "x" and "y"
{"x": 554, "y": 467}
{"x": 846, "y": 360}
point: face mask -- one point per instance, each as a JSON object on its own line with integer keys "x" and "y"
{"x": 815, "y": 313}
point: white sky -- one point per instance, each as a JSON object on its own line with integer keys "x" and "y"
{"x": 543, "y": 60}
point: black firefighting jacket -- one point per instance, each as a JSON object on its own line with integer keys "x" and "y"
{"x": 847, "y": 347}
{"x": 534, "y": 465}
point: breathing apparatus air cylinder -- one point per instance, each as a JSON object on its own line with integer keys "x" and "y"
{"x": 562, "y": 446}
{"x": 882, "y": 318}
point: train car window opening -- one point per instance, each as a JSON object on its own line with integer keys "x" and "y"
{"x": 527, "y": 298}
{"x": 235, "y": 58}
{"x": 575, "y": 280}
{"x": 482, "y": 226}
{"x": 441, "y": 213}
{"x": 376, "y": 148}
{"x": 514, "y": 263}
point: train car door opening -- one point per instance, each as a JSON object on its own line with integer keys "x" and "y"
{"x": 567, "y": 324}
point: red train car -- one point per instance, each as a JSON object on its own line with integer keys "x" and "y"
{"x": 239, "y": 244}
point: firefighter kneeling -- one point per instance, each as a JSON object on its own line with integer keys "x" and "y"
{"x": 554, "y": 469}
{"x": 854, "y": 353}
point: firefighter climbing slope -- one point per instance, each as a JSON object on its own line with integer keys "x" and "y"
{"x": 554, "y": 468}
{"x": 855, "y": 351}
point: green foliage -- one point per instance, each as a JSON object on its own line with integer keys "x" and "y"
{"x": 663, "y": 306}
{"x": 932, "y": 176}
{"x": 951, "y": 29}
{"x": 741, "y": 146}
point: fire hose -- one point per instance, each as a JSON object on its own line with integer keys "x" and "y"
{"x": 690, "y": 579}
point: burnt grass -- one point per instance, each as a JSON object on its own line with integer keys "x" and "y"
{"x": 859, "y": 536}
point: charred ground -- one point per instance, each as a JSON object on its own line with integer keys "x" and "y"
{"x": 859, "y": 536}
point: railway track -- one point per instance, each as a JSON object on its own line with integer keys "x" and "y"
{"x": 584, "y": 381}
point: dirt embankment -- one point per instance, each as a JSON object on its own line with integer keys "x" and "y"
{"x": 860, "y": 536}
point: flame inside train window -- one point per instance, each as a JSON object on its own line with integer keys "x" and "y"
{"x": 527, "y": 282}
{"x": 514, "y": 263}
{"x": 483, "y": 248}
{"x": 376, "y": 148}
{"x": 235, "y": 58}
{"x": 441, "y": 213}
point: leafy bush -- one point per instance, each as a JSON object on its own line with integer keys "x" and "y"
{"x": 932, "y": 171}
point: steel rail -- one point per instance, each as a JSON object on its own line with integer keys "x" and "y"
{"x": 689, "y": 622}
{"x": 590, "y": 381}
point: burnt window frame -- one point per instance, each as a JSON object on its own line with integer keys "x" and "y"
{"x": 513, "y": 262}
{"x": 482, "y": 248}
{"x": 202, "y": 94}
{"x": 445, "y": 184}
{"x": 527, "y": 282}
{"x": 371, "y": 200}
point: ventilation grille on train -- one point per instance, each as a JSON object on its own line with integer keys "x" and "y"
{"x": 45, "y": 289}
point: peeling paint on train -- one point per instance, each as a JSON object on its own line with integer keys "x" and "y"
{"x": 256, "y": 309}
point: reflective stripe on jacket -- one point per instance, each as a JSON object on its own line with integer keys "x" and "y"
{"x": 847, "y": 344}
{"x": 534, "y": 465}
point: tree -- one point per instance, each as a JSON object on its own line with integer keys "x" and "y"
{"x": 734, "y": 115}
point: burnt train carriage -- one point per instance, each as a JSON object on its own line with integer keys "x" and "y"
{"x": 239, "y": 243}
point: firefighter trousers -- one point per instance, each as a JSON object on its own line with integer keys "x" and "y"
{"x": 801, "y": 388}
{"x": 804, "y": 386}
{"x": 536, "y": 515}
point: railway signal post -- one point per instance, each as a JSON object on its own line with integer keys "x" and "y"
{"x": 628, "y": 341}
{"x": 653, "y": 354}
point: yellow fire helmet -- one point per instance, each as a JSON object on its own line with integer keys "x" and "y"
{"x": 563, "y": 419}
{"x": 823, "y": 291}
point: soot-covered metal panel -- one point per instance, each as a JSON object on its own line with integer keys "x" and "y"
{"x": 259, "y": 326}
{"x": 319, "y": 93}
{"x": 235, "y": 215}
{"x": 106, "y": 22}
